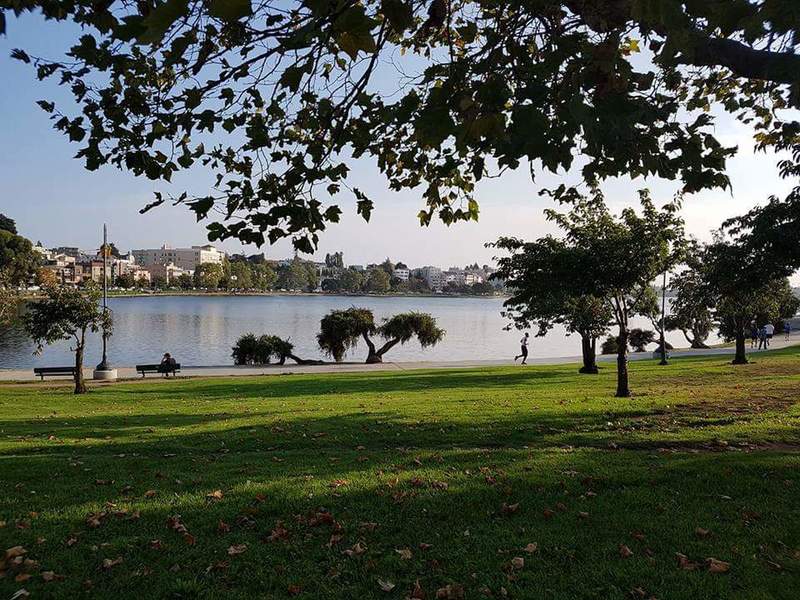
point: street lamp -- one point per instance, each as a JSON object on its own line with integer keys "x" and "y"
{"x": 663, "y": 344}
{"x": 104, "y": 370}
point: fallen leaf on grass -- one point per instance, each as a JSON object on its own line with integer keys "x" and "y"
{"x": 109, "y": 563}
{"x": 517, "y": 563}
{"x": 717, "y": 566}
{"x": 424, "y": 546}
{"x": 49, "y": 576}
{"x": 702, "y": 533}
{"x": 357, "y": 550}
{"x": 237, "y": 549}
{"x": 684, "y": 562}
{"x": 22, "y": 577}
{"x": 624, "y": 551}
{"x": 548, "y": 514}
{"x": 386, "y": 586}
{"x": 294, "y": 590}
{"x": 223, "y": 527}
{"x": 417, "y": 593}
{"x": 150, "y": 494}
{"x": 509, "y": 509}
{"x": 404, "y": 553}
{"x": 531, "y": 548}
{"x": 214, "y": 496}
{"x": 450, "y": 592}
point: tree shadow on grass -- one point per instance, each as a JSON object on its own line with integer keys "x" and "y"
{"x": 473, "y": 537}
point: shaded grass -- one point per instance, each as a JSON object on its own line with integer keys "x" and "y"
{"x": 430, "y": 457}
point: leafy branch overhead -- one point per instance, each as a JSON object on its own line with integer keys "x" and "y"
{"x": 275, "y": 99}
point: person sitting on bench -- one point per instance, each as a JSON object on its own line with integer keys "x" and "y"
{"x": 167, "y": 364}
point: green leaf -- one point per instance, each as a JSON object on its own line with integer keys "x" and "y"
{"x": 230, "y": 10}
{"x": 161, "y": 19}
{"x": 399, "y": 14}
{"x": 353, "y": 42}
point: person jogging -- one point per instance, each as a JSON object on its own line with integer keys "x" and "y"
{"x": 523, "y": 343}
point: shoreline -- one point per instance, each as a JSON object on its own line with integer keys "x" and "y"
{"x": 292, "y": 294}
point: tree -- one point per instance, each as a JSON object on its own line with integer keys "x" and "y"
{"x": 9, "y": 300}
{"x": 67, "y": 314}
{"x": 208, "y": 275}
{"x": 297, "y": 275}
{"x": 252, "y": 350}
{"x": 241, "y": 275}
{"x": 264, "y": 277}
{"x": 690, "y": 310}
{"x": 351, "y": 280}
{"x": 18, "y": 259}
{"x": 547, "y": 291}
{"x": 522, "y": 82}
{"x": 612, "y": 258}
{"x": 8, "y": 224}
{"x": 377, "y": 282}
{"x": 388, "y": 267}
{"x": 340, "y": 331}
{"x": 401, "y": 328}
{"x": 158, "y": 282}
{"x": 125, "y": 281}
{"x": 640, "y": 338}
{"x": 185, "y": 281}
{"x": 768, "y": 303}
{"x": 112, "y": 250}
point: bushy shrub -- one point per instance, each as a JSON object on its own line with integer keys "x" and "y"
{"x": 252, "y": 350}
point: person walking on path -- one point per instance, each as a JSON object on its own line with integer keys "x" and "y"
{"x": 523, "y": 343}
{"x": 787, "y": 330}
{"x": 753, "y": 334}
{"x": 769, "y": 330}
{"x": 762, "y": 337}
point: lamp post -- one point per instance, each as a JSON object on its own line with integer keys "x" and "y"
{"x": 104, "y": 370}
{"x": 663, "y": 344}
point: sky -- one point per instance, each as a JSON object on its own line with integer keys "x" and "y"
{"x": 56, "y": 201}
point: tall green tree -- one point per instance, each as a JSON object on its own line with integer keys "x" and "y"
{"x": 377, "y": 281}
{"x": 298, "y": 275}
{"x": 691, "y": 306}
{"x": 241, "y": 275}
{"x": 66, "y": 313}
{"x": 609, "y": 257}
{"x": 8, "y": 224}
{"x": 629, "y": 85}
{"x": 544, "y": 277}
{"x": 264, "y": 277}
{"x": 18, "y": 260}
{"x": 208, "y": 275}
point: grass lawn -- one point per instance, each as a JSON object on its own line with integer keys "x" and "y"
{"x": 526, "y": 482}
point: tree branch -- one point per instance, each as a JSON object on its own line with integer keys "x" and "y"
{"x": 743, "y": 61}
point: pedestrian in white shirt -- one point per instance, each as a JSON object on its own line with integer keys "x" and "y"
{"x": 523, "y": 343}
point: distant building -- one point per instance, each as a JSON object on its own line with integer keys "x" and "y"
{"x": 433, "y": 277}
{"x": 68, "y": 250}
{"x": 402, "y": 273}
{"x": 357, "y": 267}
{"x": 168, "y": 272}
{"x": 186, "y": 259}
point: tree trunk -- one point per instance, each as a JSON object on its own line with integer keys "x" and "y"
{"x": 623, "y": 391}
{"x": 376, "y": 356}
{"x": 80, "y": 384}
{"x": 588, "y": 349}
{"x": 301, "y": 361}
{"x": 741, "y": 354}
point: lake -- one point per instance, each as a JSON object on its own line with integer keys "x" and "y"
{"x": 200, "y": 330}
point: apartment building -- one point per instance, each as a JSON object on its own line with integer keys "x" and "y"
{"x": 186, "y": 259}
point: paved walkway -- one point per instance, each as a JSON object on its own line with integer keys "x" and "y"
{"x": 228, "y": 371}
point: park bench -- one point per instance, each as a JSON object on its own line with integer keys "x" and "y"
{"x": 157, "y": 368}
{"x": 55, "y": 371}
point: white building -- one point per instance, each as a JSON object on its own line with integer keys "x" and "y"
{"x": 433, "y": 277}
{"x": 185, "y": 259}
{"x": 402, "y": 274}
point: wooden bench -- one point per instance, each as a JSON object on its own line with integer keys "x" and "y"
{"x": 143, "y": 369}
{"x": 55, "y": 371}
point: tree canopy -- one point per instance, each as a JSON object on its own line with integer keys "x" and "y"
{"x": 276, "y": 98}
{"x": 66, "y": 313}
{"x": 8, "y": 224}
{"x": 18, "y": 260}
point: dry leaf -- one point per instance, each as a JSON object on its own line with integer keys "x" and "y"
{"x": 214, "y": 496}
{"x": 684, "y": 562}
{"x": 531, "y": 548}
{"x": 386, "y": 586}
{"x": 108, "y": 563}
{"x": 517, "y": 562}
{"x": 237, "y": 549}
{"x": 150, "y": 494}
{"x": 717, "y": 566}
{"x": 624, "y": 551}
{"x": 702, "y": 533}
